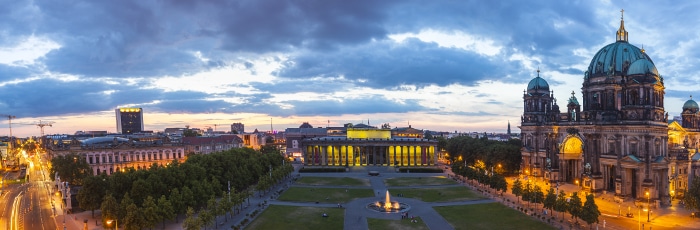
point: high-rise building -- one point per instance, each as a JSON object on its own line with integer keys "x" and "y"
{"x": 237, "y": 127}
{"x": 129, "y": 120}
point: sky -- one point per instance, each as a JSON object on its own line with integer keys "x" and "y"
{"x": 444, "y": 65}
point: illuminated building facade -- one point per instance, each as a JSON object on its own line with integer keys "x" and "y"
{"x": 129, "y": 120}
{"x": 684, "y": 142}
{"x": 616, "y": 140}
{"x": 109, "y": 154}
{"x": 369, "y": 146}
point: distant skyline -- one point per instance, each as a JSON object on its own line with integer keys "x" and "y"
{"x": 438, "y": 65}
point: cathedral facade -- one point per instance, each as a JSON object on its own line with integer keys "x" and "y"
{"x": 616, "y": 139}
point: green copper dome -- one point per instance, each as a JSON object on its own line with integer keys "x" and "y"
{"x": 690, "y": 104}
{"x": 616, "y": 58}
{"x": 538, "y": 84}
{"x": 642, "y": 66}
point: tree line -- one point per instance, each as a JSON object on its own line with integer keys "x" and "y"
{"x": 469, "y": 151}
{"x": 560, "y": 202}
{"x": 143, "y": 198}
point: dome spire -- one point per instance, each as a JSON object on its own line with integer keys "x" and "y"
{"x": 622, "y": 33}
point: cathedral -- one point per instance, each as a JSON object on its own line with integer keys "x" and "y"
{"x": 618, "y": 138}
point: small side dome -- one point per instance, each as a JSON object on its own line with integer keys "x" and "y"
{"x": 305, "y": 125}
{"x": 642, "y": 66}
{"x": 690, "y": 105}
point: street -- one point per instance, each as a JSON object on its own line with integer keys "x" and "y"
{"x": 27, "y": 205}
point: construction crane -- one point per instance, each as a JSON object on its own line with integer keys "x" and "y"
{"x": 9, "y": 117}
{"x": 42, "y": 124}
{"x": 215, "y": 125}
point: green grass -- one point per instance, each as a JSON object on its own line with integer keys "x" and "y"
{"x": 404, "y": 224}
{"x": 418, "y": 181}
{"x": 334, "y": 181}
{"x": 334, "y": 195}
{"x": 488, "y": 216}
{"x": 437, "y": 194}
{"x": 292, "y": 217}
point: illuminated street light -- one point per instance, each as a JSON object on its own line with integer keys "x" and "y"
{"x": 116, "y": 223}
{"x": 648, "y": 206}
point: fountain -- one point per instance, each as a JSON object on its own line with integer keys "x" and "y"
{"x": 388, "y": 206}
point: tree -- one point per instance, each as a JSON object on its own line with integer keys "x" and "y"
{"x": 177, "y": 203}
{"x": 517, "y": 189}
{"x": 527, "y": 193}
{"x": 561, "y": 205}
{"x": 574, "y": 206}
{"x": 109, "y": 208}
{"x": 165, "y": 209}
{"x": 590, "y": 212}
{"x": 150, "y": 213}
{"x": 91, "y": 194}
{"x": 191, "y": 222}
{"x": 123, "y": 205}
{"x": 225, "y": 205}
{"x": 537, "y": 195}
{"x": 550, "y": 200}
{"x": 692, "y": 195}
{"x": 134, "y": 218}
{"x": 190, "y": 133}
{"x": 214, "y": 208}
{"x": 72, "y": 168}
{"x": 205, "y": 217}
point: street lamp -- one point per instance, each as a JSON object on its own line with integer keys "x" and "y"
{"x": 576, "y": 182}
{"x": 116, "y": 223}
{"x": 648, "y": 206}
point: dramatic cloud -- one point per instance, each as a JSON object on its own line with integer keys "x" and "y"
{"x": 441, "y": 64}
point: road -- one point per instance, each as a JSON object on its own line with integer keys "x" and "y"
{"x": 27, "y": 205}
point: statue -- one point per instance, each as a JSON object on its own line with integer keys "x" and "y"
{"x": 588, "y": 168}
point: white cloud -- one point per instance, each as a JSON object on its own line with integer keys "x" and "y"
{"x": 454, "y": 39}
{"x": 25, "y": 52}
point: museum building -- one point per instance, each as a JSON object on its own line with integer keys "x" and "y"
{"x": 619, "y": 139}
{"x": 367, "y": 145}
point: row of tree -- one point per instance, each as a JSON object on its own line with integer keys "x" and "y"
{"x": 472, "y": 151}
{"x": 493, "y": 180}
{"x": 587, "y": 211}
{"x": 190, "y": 184}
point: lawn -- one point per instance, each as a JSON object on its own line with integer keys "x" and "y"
{"x": 488, "y": 216}
{"x": 404, "y": 224}
{"x": 323, "y": 195}
{"x": 292, "y": 217}
{"x": 418, "y": 181}
{"x": 334, "y": 181}
{"x": 437, "y": 194}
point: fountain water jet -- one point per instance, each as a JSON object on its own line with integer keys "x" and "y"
{"x": 387, "y": 205}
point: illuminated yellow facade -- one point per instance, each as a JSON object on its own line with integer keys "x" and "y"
{"x": 364, "y": 147}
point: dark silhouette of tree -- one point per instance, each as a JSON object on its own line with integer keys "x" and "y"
{"x": 109, "y": 208}
{"x": 550, "y": 200}
{"x": 574, "y": 207}
{"x": 165, "y": 210}
{"x": 692, "y": 195}
{"x": 517, "y": 189}
{"x": 561, "y": 205}
{"x": 177, "y": 202}
{"x": 71, "y": 167}
{"x": 92, "y": 193}
{"x": 590, "y": 212}
{"x": 150, "y": 213}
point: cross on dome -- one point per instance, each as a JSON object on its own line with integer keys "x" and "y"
{"x": 622, "y": 33}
